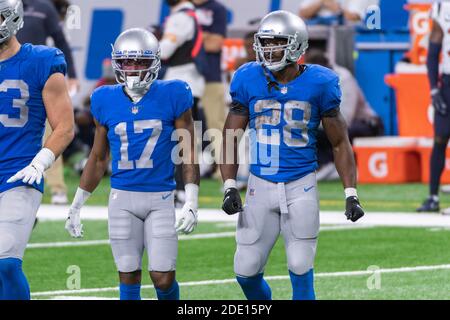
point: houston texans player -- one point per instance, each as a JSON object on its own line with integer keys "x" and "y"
{"x": 32, "y": 88}
{"x": 284, "y": 103}
{"x": 135, "y": 121}
{"x": 440, "y": 96}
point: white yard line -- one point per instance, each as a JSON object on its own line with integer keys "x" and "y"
{"x": 217, "y": 235}
{"x": 105, "y": 242}
{"x": 52, "y": 212}
{"x": 270, "y": 278}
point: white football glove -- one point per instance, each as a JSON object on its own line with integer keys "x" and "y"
{"x": 187, "y": 220}
{"x": 73, "y": 223}
{"x": 35, "y": 170}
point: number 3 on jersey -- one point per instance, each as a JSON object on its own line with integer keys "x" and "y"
{"x": 18, "y": 103}
{"x": 144, "y": 161}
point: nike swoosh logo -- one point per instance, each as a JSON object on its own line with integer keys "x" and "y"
{"x": 307, "y": 189}
{"x": 166, "y": 196}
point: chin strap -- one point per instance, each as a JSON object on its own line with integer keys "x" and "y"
{"x": 271, "y": 84}
{"x": 136, "y": 94}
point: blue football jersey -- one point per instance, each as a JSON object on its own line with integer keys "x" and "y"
{"x": 283, "y": 123}
{"x": 140, "y": 134}
{"x": 22, "y": 111}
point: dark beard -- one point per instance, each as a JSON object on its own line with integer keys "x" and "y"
{"x": 4, "y": 45}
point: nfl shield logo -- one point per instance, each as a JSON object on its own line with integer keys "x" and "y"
{"x": 284, "y": 90}
{"x": 135, "y": 109}
{"x": 252, "y": 192}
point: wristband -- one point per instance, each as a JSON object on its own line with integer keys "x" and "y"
{"x": 229, "y": 183}
{"x": 191, "y": 190}
{"x": 350, "y": 192}
{"x": 80, "y": 198}
{"x": 44, "y": 159}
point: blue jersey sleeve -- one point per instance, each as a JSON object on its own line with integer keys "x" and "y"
{"x": 330, "y": 97}
{"x": 183, "y": 98}
{"x": 55, "y": 63}
{"x": 95, "y": 107}
{"x": 238, "y": 90}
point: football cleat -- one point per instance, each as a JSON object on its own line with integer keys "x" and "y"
{"x": 429, "y": 205}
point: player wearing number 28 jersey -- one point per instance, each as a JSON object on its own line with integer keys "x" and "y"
{"x": 284, "y": 103}
{"x": 32, "y": 89}
{"x": 135, "y": 123}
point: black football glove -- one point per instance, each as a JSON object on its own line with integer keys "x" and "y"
{"x": 232, "y": 203}
{"x": 353, "y": 210}
{"x": 438, "y": 102}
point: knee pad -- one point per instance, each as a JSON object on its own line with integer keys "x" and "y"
{"x": 300, "y": 256}
{"x": 128, "y": 263}
{"x": 247, "y": 262}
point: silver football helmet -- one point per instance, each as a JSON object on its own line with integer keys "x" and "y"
{"x": 11, "y": 14}
{"x": 281, "y": 25}
{"x": 138, "y": 45}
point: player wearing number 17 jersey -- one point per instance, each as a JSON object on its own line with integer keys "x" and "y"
{"x": 283, "y": 103}
{"x": 135, "y": 122}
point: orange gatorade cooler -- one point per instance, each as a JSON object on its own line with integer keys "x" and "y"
{"x": 387, "y": 160}
{"x": 414, "y": 110}
{"x": 425, "y": 147}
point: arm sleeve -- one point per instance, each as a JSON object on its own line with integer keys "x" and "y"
{"x": 330, "y": 96}
{"x": 184, "y": 99}
{"x": 54, "y": 30}
{"x": 434, "y": 50}
{"x": 179, "y": 28}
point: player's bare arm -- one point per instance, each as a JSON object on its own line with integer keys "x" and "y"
{"x": 187, "y": 221}
{"x": 191, "y": 171}
{"x": 93, "y": 173}
{"x": 336, "y": 131}
{"x": 98, "y": 160}
{"x": 59, "y": 113}
{"x": 236, "y": 121}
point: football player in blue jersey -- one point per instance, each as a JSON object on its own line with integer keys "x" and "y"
{"x": 136, "y": 121}
{"x": 32, "y": 88}
{"x": 283, "y": 102}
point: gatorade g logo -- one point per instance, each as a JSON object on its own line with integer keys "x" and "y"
{"x": 421, "y": 22}
{"x": 378, "y": 165}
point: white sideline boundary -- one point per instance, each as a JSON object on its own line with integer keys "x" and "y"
{"x": 85, "y": 243}
{"x": 400, "y": 219}
{"x": 270, "y": 278}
